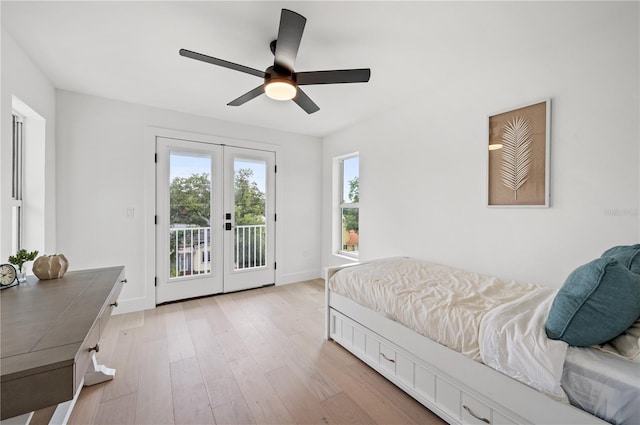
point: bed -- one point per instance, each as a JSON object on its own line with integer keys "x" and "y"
{"x": 447, "y": 349}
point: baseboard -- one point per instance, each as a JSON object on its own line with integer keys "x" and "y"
{"x": 130, "y": 305}
{"x": 138, "y": 304}
{"x": 288, "y": 278}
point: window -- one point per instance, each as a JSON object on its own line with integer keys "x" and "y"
{"x": 25, "y": 218}
{"x": 349, "y": 198}
{"x": 17, "y": 166}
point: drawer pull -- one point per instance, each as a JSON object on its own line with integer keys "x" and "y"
{"x": 96, "y": 348}
{"x": 124, "y": 281}
{"x": 480, "y": 418}
{"x": 387, "y": 358}
{"x": 114, "y": 304}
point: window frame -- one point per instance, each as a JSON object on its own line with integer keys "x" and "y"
{"x": 342, "y": 203}
{"x": 17, "y": 181}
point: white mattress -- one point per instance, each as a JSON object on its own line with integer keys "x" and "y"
{"x": 442, "y": 303}
{"x": 605, "y": 386}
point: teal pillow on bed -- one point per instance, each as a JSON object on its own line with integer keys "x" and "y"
{"x": 597, "y": 302}
{"x": 627, "y": 255}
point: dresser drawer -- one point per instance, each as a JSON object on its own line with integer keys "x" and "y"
{"x": 110, "y": 304}
{"x": 83, "y": 358}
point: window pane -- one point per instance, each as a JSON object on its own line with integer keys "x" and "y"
{"x": 17, "y": 161}
{"x": 16, "y": 228}
{"x": 17, "y": 166}
{"x": 350, "y": 177}
{"x": 189, "y": 214}
{"x": 250, "y": 237}
{"x": 350, "y": 229}
{"x": 349, "y": 209}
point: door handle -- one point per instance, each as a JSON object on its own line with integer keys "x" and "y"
{"x": 228, "y": 226}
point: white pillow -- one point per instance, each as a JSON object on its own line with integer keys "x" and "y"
{"x": 625, "y": 345}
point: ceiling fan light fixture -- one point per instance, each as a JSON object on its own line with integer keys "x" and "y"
{"x": 280, "y": 89}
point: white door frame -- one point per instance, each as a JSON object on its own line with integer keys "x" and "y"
{"x": 152, "y": 133}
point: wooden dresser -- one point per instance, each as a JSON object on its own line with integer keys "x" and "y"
{"x": 49, "y": 335}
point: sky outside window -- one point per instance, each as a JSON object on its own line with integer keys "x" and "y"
{"x": 350, "y": 169}
{"x": 186, "y": 165}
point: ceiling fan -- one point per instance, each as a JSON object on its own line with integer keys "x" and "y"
{"x": 280, "y": 80}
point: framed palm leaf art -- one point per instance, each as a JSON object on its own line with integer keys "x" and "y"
{"x": 518, "y": 156}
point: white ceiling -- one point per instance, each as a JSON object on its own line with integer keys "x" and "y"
{"x": 129, "y": 51}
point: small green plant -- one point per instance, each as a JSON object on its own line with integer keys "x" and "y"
{"x": 21, "y": 257}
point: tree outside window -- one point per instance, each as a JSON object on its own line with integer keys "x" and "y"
{"x": 190, "y": 208}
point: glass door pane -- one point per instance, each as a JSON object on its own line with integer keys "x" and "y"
{"x": 250, "y": 236}
{"x": 189, "y": 214}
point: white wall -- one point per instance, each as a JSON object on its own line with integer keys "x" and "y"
{"x": 22, "y": 79}
{"x": 423, "y": 164}
{"x": 102, "y": 158}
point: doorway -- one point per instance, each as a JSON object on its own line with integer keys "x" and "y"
{"x": 215, "y": 219}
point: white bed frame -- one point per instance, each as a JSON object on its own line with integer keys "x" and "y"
{"x": 455, "y": 387}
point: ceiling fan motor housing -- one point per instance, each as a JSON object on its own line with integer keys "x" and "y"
{"x": 277, "y": 73}
{"x": 279, "y": 83}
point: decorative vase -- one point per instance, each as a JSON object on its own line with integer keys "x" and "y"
{"x": 50, "y": 266}
{"x": 21, "y": 277}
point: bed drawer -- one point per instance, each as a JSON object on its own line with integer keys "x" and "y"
{"x": 474, "y": 411}
{"x": 387, "y": 358}
{"x": 448, "y": 397}
{"x": 438, "y": 392}
{"x": 425, "y": 382}
{"x": 500, "y": 419}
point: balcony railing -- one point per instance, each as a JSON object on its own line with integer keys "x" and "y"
{"x": 250, "y": 244}
{"x": 190, "y": 249}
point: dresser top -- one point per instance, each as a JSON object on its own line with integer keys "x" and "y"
{"x": 43, "y": 323}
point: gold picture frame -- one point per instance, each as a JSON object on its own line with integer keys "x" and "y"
{"x": 518, "y": 156}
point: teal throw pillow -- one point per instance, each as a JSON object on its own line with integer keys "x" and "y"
{"x": 598, "y": 301}
{"x": 627, "y": 255}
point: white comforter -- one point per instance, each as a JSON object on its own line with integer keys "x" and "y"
{"x": 513, "y": 341}
{"x": 485, "y": 318}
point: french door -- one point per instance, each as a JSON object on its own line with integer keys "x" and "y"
{"x": 215, "y": 224}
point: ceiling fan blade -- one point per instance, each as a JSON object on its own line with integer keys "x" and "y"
{"x": 289, "y": 36}
{"x": 305, "y": 102}
{"x": 226, "y": 64}
{"x": 247, "y": 96}
{"x": 333, "y": 77}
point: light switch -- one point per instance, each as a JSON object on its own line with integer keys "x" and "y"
{"x": 129, "y": 212}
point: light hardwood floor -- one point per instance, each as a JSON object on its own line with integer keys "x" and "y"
{"x": 252, "y": 357}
